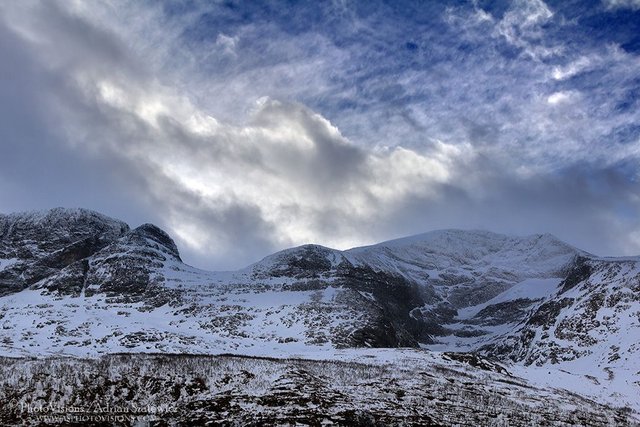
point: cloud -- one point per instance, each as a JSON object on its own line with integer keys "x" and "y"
{"x": 561, "y": 97}
{"x": 287, "y": 176}
{"x": 337, "y": 126}
{"x": 622, "y": 4}
{"x": 227, "y": 43}
{"x": 522, "y": 26}
{"x": 578, "y": 66}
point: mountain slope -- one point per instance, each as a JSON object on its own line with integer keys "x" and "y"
{"x": 490, "y": 256}
{"x": 351, "y": 389}
{"x": 589, "y": 326}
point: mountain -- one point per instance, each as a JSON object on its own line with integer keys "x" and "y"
{"x": 74, "y": 282}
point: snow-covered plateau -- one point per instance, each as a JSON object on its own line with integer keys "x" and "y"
{"x": 424, "y": 330}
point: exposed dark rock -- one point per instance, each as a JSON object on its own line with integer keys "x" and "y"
{"x": 433, "y": 318}
{"x": 395, "y": 298}
{"x": 581, "y": 271}
{"x": 68, "y": 251}
{"x": 548, "y": 312}
{"x": 34, "y": 235}
{"x": 308, "y": 261}
{"x": 156, "y": 235}
{"x": 476, "y": 293}
{"x": 501, "y": 313}
{"x": 47, "y": 242}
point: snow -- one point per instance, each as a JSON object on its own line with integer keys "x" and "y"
{"x": 4, "y": 263}
{"x": 426, "y": 256}
{"x": 61, "y": 217}
{"x": 31, "y": 319}
{"x": 581, "y": 378}
{"x": 263, "y": 318}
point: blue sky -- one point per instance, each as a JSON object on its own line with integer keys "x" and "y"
{"x": 247, "y": 127}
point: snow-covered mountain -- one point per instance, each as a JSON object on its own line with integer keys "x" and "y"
{"x": 76, "y": 282}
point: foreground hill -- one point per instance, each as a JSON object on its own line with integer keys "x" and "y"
{"x": 74, "y": 282}
{"x": 382, "y": 388}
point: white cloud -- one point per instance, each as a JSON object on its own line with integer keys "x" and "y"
{"x": 227, "y": 43}
{"x": 581, "y": 64}
{"x": 622, "y": 4}
{"x": 522, "y": 27}
{"x": 286, "y": 157}
{"x": 291, "y": 168}
{"x": 561, "y": 97}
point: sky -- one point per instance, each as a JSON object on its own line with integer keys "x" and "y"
{"x": 243, "y": 128}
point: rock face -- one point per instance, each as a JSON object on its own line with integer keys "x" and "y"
{"x": 74, "y": 252}
{"x": 594, "y": 314}
{"x": 130, "y": 269}
{"x": 77, "y": 282}
{"x": 35, "y": 246}
{"x": 424, "y": 285}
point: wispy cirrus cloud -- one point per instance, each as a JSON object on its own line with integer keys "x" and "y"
{"x": 622, "y": 4}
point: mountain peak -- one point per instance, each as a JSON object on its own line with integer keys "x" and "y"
{"x": 453, "y": 237}
{"x": 57, "y": 215}
{"x": 35, "y": 234}
{"x": 157, "y": 235}
{"x": 541, "y": 255}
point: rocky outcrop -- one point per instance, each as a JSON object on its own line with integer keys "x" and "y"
{"x": 76, "y": 251}
{"x": 596, "y": 305}
{"x": 44, "y": 243}
{"x": 131, "y": 269}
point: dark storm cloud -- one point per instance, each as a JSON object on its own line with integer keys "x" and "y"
{"x": 37, "y": 169}
{"x": 246, "y": 128}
